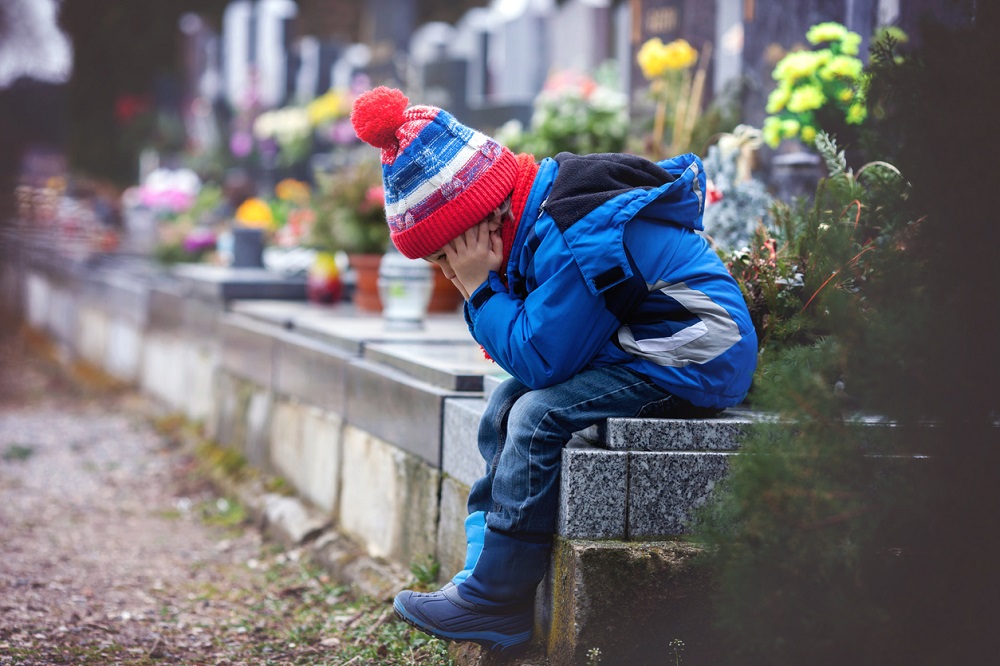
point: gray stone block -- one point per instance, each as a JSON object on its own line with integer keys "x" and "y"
{"x": 452, "y": 366}
{"x": 257, "y": 444}
{"x": 63, "y": 321}
{"x": 396, "y": 408}
{"x": 311, "y": 371}
{"x": 166, "y": 307}
{"x": 221, "y": 283}
{"x": 460, "y": 450}
{"x": 491, "y": 382}
{"x": 628, "y": 600}
{"x": 200, "y": 319}
{"x": 717, "y": 434}
{"x": 593, "y": 499}
{"x": 248, "y": 349}
{"x": 664, "y": 488}
{"x": 388, "y": 498}
{"x": 352, "y": 331}
{"x": 124, "y": 295}
{"x": 124, "y": 351}
{"x": 451, "y": 544}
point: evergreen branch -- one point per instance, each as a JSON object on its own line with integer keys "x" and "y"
{"x": 836, "y": 163}
{"x": 868, "y": 247}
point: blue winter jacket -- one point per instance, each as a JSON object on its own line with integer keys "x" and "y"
{"x": 607, "y": 268}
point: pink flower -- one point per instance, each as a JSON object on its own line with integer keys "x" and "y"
{"x": 375, "y": 196}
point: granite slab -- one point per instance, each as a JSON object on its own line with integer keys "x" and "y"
{"x": 397, "y": 408}
{"x": 461, "y": 459}
{"x": 354, "y": 331}
{"x": 452, "y": 366}
{"x": 311, "y": 371}
{"x": 248, "y": 349}
{"x": 665, "y": 487}
{"x": 224, "y": 283}
{"x": 592, "y": 493}
{"x": 721, "y": 433}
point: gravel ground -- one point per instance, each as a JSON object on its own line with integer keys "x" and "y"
{"x": 115, "y": 550}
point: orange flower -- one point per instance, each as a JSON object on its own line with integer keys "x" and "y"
{"x": 255, "y": 213}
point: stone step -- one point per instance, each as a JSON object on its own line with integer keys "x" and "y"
{"x": 644, "y": 484}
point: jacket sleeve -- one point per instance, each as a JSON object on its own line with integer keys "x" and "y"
{"x": 552, "y": 334}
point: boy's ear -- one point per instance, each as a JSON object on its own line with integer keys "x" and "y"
{"x": 494, "y": 223}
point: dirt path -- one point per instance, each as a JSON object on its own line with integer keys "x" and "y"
{"x": 114, "y": 550}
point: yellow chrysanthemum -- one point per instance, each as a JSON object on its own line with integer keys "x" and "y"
{"x": 806, "y": 98}
{"x": 778, "y": 98}
{"x": 325, "y": 108}
{"x": 851, "y": 44}
{"x": 844, "y": 67}
{"x": 771, "y": 131}
{"x": 798, "y": 65}
{"x": 790, "y": 128}
{"x": 808, "y": 134}
{"x": 856, "y": 114}
{"x": 292, "y": 190}
{"x": 255, "y": 213}
{"x": 845, "y": 95}
{"x": 826, "y": 32}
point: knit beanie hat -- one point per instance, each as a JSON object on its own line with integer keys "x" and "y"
{"x": 440, "y": 177}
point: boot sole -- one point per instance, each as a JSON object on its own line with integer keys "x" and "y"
{"x": 490, "y": 640}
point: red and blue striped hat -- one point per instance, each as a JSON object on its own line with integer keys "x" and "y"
{"x": 440, "y": 177}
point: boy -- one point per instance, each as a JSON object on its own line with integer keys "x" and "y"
{"x": 585, "y": 279}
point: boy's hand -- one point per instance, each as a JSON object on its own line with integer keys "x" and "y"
{"x": 473, "y": 255}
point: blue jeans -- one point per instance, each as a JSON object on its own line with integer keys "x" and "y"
{"x": 523, "y": 432}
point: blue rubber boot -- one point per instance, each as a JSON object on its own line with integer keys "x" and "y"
{"x": 475, "y": 533}
{"x": 495, "y": 606}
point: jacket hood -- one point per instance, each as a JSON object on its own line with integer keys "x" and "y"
{"x": 671, "y": 190}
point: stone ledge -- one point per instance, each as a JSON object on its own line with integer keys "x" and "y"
{"x": 721, "y": 433}
{"x": 248, "y": 349}
{"x": 397, "y": 408}
{"x": 311, "y": 371}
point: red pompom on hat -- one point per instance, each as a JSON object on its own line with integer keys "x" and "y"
{"x": 377, "y": 114}
{"x": 440, "y": 177}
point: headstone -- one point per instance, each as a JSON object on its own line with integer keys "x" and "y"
{"x": 579, "y": 33}
{"x": 670, "y": 20}
{"x": 521, "y": 38}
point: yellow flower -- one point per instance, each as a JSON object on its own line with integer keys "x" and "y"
{"x": 841, "y": 66}
{"x": 808, "y": 134}
{"x": 851, "y": 44}
{"x": 292, "y": 190}
{"x": 790, "y": 128}
{"x": 806, "y": 98}
{"x": 778, "y": 98}
{"x": 845, "y": 95}
{"x": 798, "y": 65}
{"x": 680, "y": 54}
{"x": 255, "y": 213}
{"x": 325, "y": 108}
{"x": 771, "y": 131}
{"x": 650, "y": 58}
{"x": 656, "y": 58}
{"x": 826, "y": 32}
{"x": 856, "y": 114}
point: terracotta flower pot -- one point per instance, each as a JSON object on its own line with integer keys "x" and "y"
{"x": 365, "y": 267}
{"x": 445, "y": 297}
